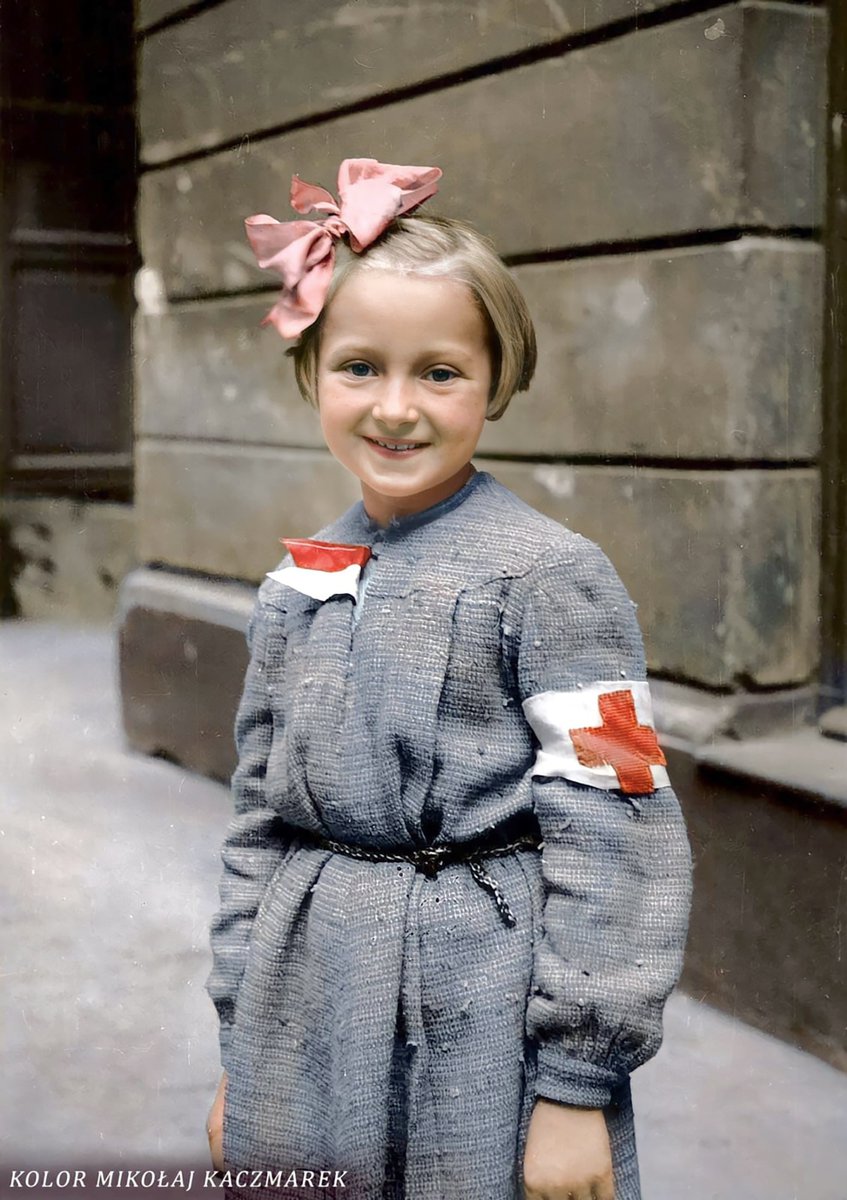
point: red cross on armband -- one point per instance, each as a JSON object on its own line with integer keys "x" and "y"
{"x": 621, "y": 742}
{"x": 601, "y": 734}
{"x": 322, "y": 569}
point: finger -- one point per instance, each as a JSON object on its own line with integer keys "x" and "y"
{"x": 215, "y": 1138}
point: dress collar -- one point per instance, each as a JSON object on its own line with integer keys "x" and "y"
{"x": 398, "y": 526}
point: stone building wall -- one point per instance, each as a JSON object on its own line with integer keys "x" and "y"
{"x": 658, "y": 186}
{"x": 654, "y": 174}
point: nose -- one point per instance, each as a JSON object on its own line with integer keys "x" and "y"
{"x": 395, "y": 403}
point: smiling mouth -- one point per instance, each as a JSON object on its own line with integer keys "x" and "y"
{"x": 397, "y": 447}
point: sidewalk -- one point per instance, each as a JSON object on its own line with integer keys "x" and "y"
{"x": 109, "y": 1042}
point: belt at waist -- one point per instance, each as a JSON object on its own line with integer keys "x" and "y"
{"x": 430, "y": 859}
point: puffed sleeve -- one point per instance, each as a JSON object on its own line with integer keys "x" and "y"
{"x": 616, "y": 862}
{"x": 252, "y": 848}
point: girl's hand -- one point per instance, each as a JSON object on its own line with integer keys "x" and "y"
{"x": 214, "y": 1125}
{"x": 568, "y": 1156}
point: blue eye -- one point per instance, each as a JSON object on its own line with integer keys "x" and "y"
{"x": 353, "y": 368}
{"x": 444, "y": 374}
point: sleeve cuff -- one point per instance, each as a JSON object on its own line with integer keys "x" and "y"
{"x": 570, "y": 1080}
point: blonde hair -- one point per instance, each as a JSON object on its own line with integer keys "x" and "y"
{"x": 440, "y": 247}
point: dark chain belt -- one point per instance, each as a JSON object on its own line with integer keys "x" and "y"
{"x": 430, "y": 859}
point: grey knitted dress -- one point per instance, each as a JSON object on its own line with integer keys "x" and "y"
{"x": 389, "y": 1024}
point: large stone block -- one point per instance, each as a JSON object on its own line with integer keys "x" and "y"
{"x": 256, "y": 64}
{"x": 709, "y": 352}
{"x": 586, "y": 148}
{"x": 723, "y": 563}
{"x": 210, "y": 370}
{"x": 222, "y": 509}
{"x": 784, "y": 81}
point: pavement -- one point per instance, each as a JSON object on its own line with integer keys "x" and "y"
{"x": 109, "y": 1043}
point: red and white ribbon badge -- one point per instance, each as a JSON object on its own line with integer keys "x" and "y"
{"x": 322, "y": 569}
{"x": 601, "y": 734}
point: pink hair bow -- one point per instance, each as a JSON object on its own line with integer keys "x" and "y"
{"x": 302, "y": 253}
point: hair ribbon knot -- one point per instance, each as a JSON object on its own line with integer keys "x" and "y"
{"x": 302, "y": 253}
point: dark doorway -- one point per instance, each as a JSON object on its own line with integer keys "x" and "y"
{"x": 834, "y": 457}
{"x": 67, "y": 250}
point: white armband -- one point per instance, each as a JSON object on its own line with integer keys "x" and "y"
{"x": 601, "y": 734}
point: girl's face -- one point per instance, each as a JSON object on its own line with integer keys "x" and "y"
{"x": 403, "y": 377}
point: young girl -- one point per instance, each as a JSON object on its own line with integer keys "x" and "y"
{"x": 418, "y": 996}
